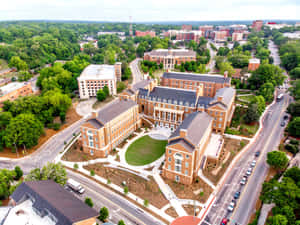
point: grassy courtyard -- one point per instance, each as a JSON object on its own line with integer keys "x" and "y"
{"x": 145, "y": 150}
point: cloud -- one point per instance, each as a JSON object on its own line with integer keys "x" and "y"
{"x": 153, "y": 10}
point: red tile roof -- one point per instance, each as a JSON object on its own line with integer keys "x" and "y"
{"x": 186, "y": 220}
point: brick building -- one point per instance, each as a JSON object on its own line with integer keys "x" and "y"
{"x": 186, "y": 148}
{"x": 145, "y": 33}
{"x": 48, "y": 203}
{"x": 257, "y": 25}
{"x": 190, "y": 81}
{"x": 168, "y": 107}
{"x": 221, "y": 35}
{"x": 194, "y": 35}
{"x": 170, "y": 57}
{"x": 95, "y": 77}
{"x": 186, "y": 27}
{"x": 108, "y": 127}
{"x": 237, "y": 36}
{"x": 207, "y": 30}
{"x": 14, "y": 90}
{"x": 253, "y": 64}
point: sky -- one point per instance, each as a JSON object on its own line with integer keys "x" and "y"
{"x": 149, "y": 10}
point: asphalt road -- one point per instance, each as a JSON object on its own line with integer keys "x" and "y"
{"x": 118, "y": 207}
{"x": 136, "y": 73}
{"x": 267, "y": 141}
{"x": 211, "y": 65}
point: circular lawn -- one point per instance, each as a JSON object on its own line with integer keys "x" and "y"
{"x": 145, "y": 150}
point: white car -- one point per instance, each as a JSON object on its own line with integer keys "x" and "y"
{"x": 231, "y": 206}
{"x": 249, "y": 171}
{"x": 253, "y": 163}
{"x": 243, "y": 181}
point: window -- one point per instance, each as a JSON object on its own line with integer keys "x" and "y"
{"x": 170, "y": 159}
{"x": 169, "y": 167}
{"x": 178, "y": 168}
{"x": 186, "y": 164}
{"x": 187, "y": 156}
{"x": 186, "y": 172}
{"x": 177, "y": 179}
{"x": 170, "y": 151}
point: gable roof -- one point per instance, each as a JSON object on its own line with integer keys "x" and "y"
{"x": 95, "y": 123}
{"x": 114, "y": 109}
{"x": 48, "y": 195}
{"x": 197, "y": 77}
{"x": 195, "y": 126}
{"x": 183, "y": 143}
{"x": 226, "y": 93}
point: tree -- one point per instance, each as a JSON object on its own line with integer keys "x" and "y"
{"x": 126, "y": 190}
{"x": 18, "y": 63}
{"x": 293, "y": 173}
{"x": 101, "y": 96}
{"x": 5, "y": 117}
{"x": 295, "y": 73}
{"x": 146, "y": 203}
{"x": 121, "y": 222}
{"x": 89, "y": 202}
{"x": 103, "y": 214}
{"x": 294, "y": 127}
{"x": 277, "y": 159}
{"x": 252, "y": 114}
{"x": 120, "y": 86}
{"x": 62, "y": 116}
{"x": 6, "y": 180}
{"x": 51, "y": 171}
{"x": 293, "y": 109}
{"x": 260, "y": 102}
{"x": 19, "y": 173}
{"x": 23, "y": 130}
{"x": 106, "y": 90}
{"x": 295, "y": 89}
{"x": 267, "y": 90}
{"x": 226, "y": 66}
{"x": 278, "y": 220}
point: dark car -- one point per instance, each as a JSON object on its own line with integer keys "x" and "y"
{"x": 285, "y": 117}
{"x": 257, "y": 153}
{"x": 282, "y": 124}
{"x": 224, "y": 221}
{"x": 237, "y": 195}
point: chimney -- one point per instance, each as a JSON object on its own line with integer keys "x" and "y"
{"x": 182, "y": 133}
{"x": 201, "y": 108}
{"x": 118, "y": 70}
{"x": 95, "y": 114}
{"x": 220, "y": 98}
{"x": 199, "y": 90}
{"x": 226, "y": 74}
{"x": 129, "y": 86}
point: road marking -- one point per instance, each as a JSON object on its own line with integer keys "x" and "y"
{"x": 110, "y": 200}
{"x": 260, "y": 158}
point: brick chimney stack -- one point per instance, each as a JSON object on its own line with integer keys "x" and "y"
{"x": 226, "y": 74}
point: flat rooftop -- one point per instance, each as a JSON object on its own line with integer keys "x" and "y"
{"x": 214, "y": 147}
{"x": 254, "y": 60}
{"x": 98, "y": 72}
{"x": 11, "y": 87}
{"x": 172, "y": 52}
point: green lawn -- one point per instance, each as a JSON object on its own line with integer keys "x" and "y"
{"x": 248, "y": 98}
{"x": 3, "y": 64}
{"x": 145, "y": 150}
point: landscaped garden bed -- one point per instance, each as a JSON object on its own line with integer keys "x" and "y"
{"x": 199, "y": 190}
{"x": 145, "y": 150}
{"x": 137, "y": 185}
{"x": 171, "y": 212}
{"x": 214, "y": 171}
{"x": 190, "y": 210}
{"x": 75, "y": 154}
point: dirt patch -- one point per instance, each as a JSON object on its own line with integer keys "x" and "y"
{"x": 271, "y": 173}
{"x": 74, "y": 154}
{"x": 191, "y": 210}
{"x": 71, "y": 118}
{"x": 191, "y": 191}
{"x": 5, "y": 202}
{"x": 137, "y": 185}
{"x": 215, "y": 170}
{"x": 122, "y": 144}
{"x": 98, "y": 104}
{"x": 171, "y": 212}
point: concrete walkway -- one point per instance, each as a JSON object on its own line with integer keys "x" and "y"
{"x": 237, "y": 137}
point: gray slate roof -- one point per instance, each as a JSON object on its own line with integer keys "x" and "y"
{"x": 197, "y": 77}
{"x": 95, "y": 123}
{"x": 59, "y": 202}
{"x": 195, "y": 125}
{"x": 114, "y": 109}
{"x": 182, "y": 142}
{"x": 140, "y": 84}
{"x": 170, "y": 95}
{"x": 227, "y": 94}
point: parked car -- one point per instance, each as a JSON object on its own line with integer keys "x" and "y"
{"x": 257, "y": 153}
{"x": 253, "y": 163}
{"x": 231, "y": 206}
{"x": 282, "y": 124}
{"x": 224, "y": 221}
{"x": 285, "y": 117}
{"x": 243, "y": 181}
{"x": 237, "y": 195}
{"x": 249, "y": 171}
{"x": 75, "y": 186}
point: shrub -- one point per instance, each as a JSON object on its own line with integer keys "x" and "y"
{"x": 121, "y": 222}
{"x": 92, "y": 173}
{"x": 146, "y": 203}
{"x": 89, "y": 202}
{"x": 291, "y": 148}
{"x": 126, "y": 190}
{"x": 75, "y": 166}
{"x": 19, "y": 173}
{"x": 56, "y": 126}
{"x": 108, "y": 181}
{"x": 294, "y": 142}
{"x": 103, "y": 214}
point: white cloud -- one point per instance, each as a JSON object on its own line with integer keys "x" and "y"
{"x": 149, "y": 10}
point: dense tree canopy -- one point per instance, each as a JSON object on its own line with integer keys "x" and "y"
{"x": 277, "y": 159}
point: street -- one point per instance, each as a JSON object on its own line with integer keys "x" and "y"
{"x": 119, "y": 207}
{"x": 136, "y": 73}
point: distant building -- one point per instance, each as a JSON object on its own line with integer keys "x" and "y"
{"x": 220, "y": 36}
{"x": 206, "y": 30}
{"x": 273, "y": 25}
{"x": 111, "y": 33}
{"x": 145, "y": 33}
{"x": 14, "y": 90}
{"x": 95, "y": 77}
{"x": 237, "y": 36}
{"x": 48, "y": 203}
{"x": 108, "y": 127}
{"x": 253, "y": 64}
{"x": 257, "y": 25}
{"x": 186, "y": 27}
{"x": 170, "y": 57}
{"x": 193, "y": 35}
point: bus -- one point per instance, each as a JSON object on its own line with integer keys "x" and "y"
{"x": 279, "y": 97}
